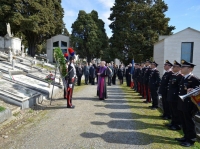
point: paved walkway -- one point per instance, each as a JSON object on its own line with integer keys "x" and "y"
{"x": 92, "y": 124}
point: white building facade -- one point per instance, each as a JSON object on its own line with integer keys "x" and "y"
{"x": 12, "y": 43}
{"x": 61, "y": 41}
{"x": 182, "y": 45}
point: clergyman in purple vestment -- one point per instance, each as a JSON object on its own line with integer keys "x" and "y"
{"x": 101, "y": 88}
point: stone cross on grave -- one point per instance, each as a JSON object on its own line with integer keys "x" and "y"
{"x": 23, "y": 52}
{"x": 10, "y": 55}
{"x": 1, "y": 75}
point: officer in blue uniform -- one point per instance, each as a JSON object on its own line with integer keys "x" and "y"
{"x": 172, "y": 96}
{"x": 154, "y": 82}
{"x": 187, "y": 109}
{"x": 163, "y": 89}
{"x": 147, "y": 73}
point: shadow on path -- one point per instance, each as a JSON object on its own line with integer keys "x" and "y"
{"x": 128, "y": 124}
{"x": 126, "y": 115}
{"x": 118, "y": 106}
{"x": 131, "y": 138}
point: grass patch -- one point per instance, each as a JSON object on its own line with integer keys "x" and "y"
{"x": 45, "y": 67}
{"x": 150, "y": 126}
{"x": 30, "y": 111}
{"x": 78, "y": 88}
{"x": 16, "y": 114}
{"x": 2, "y": 108}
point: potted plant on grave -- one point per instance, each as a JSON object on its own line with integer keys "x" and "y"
{"x": 50, "y": 78}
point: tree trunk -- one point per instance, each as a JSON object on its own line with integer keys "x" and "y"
{"x": 32, "y": 42}
{"x": 31, "y": 48}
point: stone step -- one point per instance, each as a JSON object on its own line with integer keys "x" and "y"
{"x": 13, "y": 108}
{"x": 18, "y": 95}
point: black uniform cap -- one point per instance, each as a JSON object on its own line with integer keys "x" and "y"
{"x": 168, "y": 63}
{"x": 154, "y": 63}
{"x": 72, "y": 58}
{"x": 187, "y": 64}
{"x": 176, "y": 63}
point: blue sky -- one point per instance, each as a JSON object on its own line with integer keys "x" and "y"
{"x": 182, "y": 13}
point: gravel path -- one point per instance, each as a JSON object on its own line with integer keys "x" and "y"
{"x": 92, "y": 124}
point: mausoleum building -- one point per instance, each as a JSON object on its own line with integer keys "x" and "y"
{"x": 61, "y": 41}
{"x": 182, "y": 45}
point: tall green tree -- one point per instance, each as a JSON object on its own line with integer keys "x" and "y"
{"x": 65, "y": 32}
{"x": 136, "y": 26}
{"x": 88, "y": 36}
{"x": 37, "y": 20}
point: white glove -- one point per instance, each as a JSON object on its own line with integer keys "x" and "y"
{"x": 70, "y": 85}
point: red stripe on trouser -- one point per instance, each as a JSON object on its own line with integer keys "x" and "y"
{"x": 144, "y": 91}
{"x": 141, "y": 89}
{"x": 69, "y": 96}
{"x": 149, "y": 97}
{"x": 131, "y": 84}
{"x": 141, "y": 92}
{"x": 66, "y": 93}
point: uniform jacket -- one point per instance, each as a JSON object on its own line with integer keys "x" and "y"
{"x": 164, "y": 83}
{"x": 92, "y": 71}
{"x": 190, "y": 82}
{"x": 147, "y": 73}
{"x": 120, "y": 73}
{"x": 136, "y": 74}
{"x": 154, "y": 79}
{"x": 173, "y": 87}
{"x": 115, "y": 71}
{"x": 79, "y": 71}
{"x": 71, "y": 73}
{"x": 141, "y": 75}
{"x": 86, "y": 70}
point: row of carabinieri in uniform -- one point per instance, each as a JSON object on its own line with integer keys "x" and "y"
{"x": 176, "y": 81}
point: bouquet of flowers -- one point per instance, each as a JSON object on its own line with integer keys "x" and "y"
{"x": 50, "y": 78}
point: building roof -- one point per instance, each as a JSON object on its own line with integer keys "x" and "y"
{"x": 163, "y": 37}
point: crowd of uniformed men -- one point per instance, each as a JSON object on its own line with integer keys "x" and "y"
{"x": 177, "y": 80}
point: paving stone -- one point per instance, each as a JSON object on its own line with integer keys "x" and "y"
{"x": 92, "y": 124}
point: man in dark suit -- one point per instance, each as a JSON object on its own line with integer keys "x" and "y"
{"x": 79, "y": 73}
{"x": 187, "y": 109}
{"x": 92, "y": 74}
{"x": 110, "y": 74}
{"x": 172, "y": 96}
{"x": 71, "y": 81}
{"x": 163, "y": 89}
{"x": 115, "y": 70}
{"x": 154, "y": 82}
{"x": 86, "y": 73}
